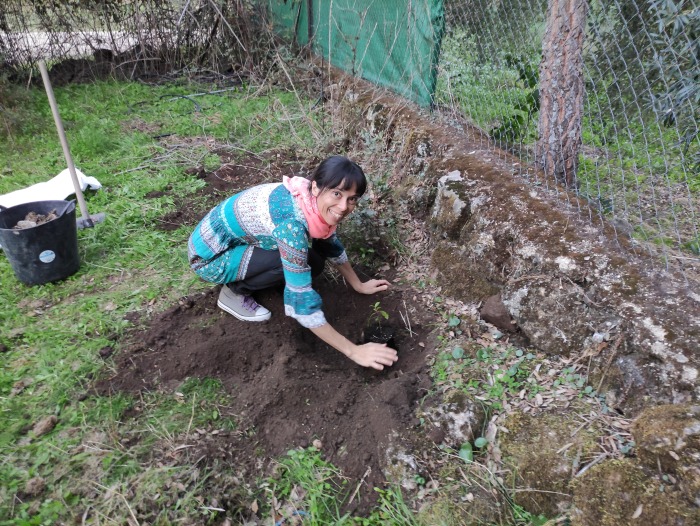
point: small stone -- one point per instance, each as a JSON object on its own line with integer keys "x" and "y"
{"x": 21, "y": 225}
{"x": 45, "y": 425}
{"x": 494, "y": 312}
{"x": 317, "y": 444}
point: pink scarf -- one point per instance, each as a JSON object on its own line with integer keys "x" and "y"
{"x": 300, "y": 189}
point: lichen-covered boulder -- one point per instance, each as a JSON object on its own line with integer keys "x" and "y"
{"x": 556, "y": 315}
{"x": 453, "y": 418}
{"x": 543, "y": 452}
{"x": 668, "y": 439}
{"x": 451, "y": 209}
{"x": 620, "y": 493}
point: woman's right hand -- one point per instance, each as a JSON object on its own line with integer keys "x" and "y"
{"x": 375, "y": 355}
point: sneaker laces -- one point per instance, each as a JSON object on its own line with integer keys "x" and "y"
{"x": 250, "y": 304}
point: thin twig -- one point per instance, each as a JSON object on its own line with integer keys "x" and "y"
{"x": 683, "y": 257}
{"x": 205, "y": 93}
{"x": 595, "y": 461}
{"x": 132, "y": 169}
{"x": 182, "y": 15}
{"x": 582, "y": 292}
{"x": 406, "y": 320}
{"x": 130, "y": 510}
{"x": 362, "y": 480}
{"x": 585, "y": 424}
{"x": 613, "y": 353}
{"x": 189, "y": 425}
{"x": 216, "y": 8}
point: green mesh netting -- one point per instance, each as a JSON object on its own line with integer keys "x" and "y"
{"x": 393, "y": 43}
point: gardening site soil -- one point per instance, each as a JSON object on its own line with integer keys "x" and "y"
{"x": 288, "y": 389}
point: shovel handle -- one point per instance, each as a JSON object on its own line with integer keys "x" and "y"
{"x": 62, "y": 137}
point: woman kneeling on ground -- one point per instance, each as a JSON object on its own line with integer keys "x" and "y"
{"x": 283, "y": 233}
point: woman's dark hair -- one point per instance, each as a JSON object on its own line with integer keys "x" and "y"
{"x": 340, "y": 172}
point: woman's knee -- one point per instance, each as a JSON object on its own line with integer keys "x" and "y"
{"x": 316, "y": 262}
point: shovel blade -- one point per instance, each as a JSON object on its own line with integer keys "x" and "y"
{"x": 89, "y": 222}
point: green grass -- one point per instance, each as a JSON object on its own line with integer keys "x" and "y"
{"x": 54, "y": 332}
{"x": 308, "y": 487}
{"x": 487, "y": 93}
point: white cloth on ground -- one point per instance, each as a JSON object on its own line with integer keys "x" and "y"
{"x": 54, "y": 189}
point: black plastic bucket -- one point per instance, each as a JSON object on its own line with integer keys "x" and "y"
{"x": 46, "y": 252}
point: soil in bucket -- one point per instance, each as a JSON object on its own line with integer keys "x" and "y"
{"x": 40, "y": 240}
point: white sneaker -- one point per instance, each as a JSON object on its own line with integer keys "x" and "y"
{"x": 243, "y": 307}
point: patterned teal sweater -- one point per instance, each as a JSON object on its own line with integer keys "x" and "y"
{"x": 268, "y": 217}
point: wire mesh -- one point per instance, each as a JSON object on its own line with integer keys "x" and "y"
{"x": 638, "y": 164}
{"x": 133, "y": 39}
{"x": 639, "y": 158}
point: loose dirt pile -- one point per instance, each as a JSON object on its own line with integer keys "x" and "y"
{"x": 288, "y": 387}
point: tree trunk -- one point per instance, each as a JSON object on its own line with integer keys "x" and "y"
{"x": 561, "y": 90}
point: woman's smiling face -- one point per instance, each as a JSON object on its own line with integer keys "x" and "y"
{"x": 335, "y": 204}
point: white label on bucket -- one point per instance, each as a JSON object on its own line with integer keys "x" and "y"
{"x": 47, "y": 256}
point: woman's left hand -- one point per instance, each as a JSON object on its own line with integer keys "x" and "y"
{"x": 372, "y": 286}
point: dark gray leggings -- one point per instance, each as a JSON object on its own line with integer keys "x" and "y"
{"x": 265, "y": 270}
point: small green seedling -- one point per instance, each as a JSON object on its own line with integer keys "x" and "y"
{"x": 378, "y": 313}
{"x": 466, "y": 452}
{"x": 481, "y": 442}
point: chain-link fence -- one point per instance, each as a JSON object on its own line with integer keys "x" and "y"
{"x": 638, "y": 163}
{"x": 632, "y": 152}
{"x": 87, "y": 38}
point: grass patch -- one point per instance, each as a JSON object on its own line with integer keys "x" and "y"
{"x": 111, "y": 457}
{"x": 488, "y": 93}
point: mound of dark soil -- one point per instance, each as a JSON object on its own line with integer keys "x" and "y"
{"x": 289, "y": 388}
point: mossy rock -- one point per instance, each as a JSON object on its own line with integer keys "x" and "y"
{"x": 451, "y": 209}
{"x": 473, "y": 500}
{"x": 667, "y": 437}
{"x": 458, "y": 276}
{"x": 620, "y": 493}
{"x": 543, "y": 457}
